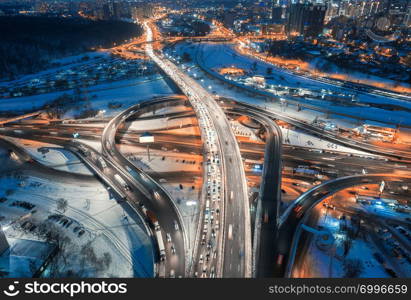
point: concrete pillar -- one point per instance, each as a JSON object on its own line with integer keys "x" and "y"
{"x": 4, "y": 244}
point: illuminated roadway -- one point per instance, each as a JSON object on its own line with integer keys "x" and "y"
{"x": 90, "y": 158}
{"x": 294, "y": 216}
{"x": 234, "y": 250}
{"x": 289, "y": 221}
{"x": 159, "y": 199}
{"x": 324, "y": 134}
{"x": 268, "y": 207}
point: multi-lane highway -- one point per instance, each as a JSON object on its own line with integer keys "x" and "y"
{"x": 155, "y": 197}
{"x": 142, "y": 187}
{"x": 234, "y": 246}
{"x": 324, "y": 134}
{"x": 269, "y": 199}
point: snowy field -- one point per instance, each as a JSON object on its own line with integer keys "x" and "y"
{"x": 63, "y": 63}
{"x": 112, "y": 234}
{"x": 124, "y": 92}
{"x": 216, "y": 56}
{"x": 59, "y": 158}
{"x": 330, "y": 262}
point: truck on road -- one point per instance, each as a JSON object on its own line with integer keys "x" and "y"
{"x": 102, "y": 162}
{"x": 161, "y": 245}
{"x": 122, "y": 182}
{"x": 153, "y": 220}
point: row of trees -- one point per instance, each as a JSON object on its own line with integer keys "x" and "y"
{"x": 28, "y": 44}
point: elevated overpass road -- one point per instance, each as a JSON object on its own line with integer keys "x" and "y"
{"x": 159, "y": 199}
{"x": 327, "y": 135}
{"x": 269, "y": 200}
{"x": 236, "y": 211}
{"x": 295, "y": 215}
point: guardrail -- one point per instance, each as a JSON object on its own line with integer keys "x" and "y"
{"x": 327, "y": 135}
{"x": 271, "y": 168}
{"x": 145, "y": 190}
{"x": 312, "y": 197}
{"x": 201, "y": 64}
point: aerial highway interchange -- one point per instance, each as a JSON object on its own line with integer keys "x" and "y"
{"x": 248, "y": 224}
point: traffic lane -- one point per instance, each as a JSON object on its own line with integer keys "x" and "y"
{"x": 30, "y": 164}
{"x": 173, "y": 261}
{"x": 235, "y": 247}
{"x": 183, "y": 81}
{"x": 345, "y": 165}
{"x": 166, "y": 220}
{"x": 270, "y": 196}
{"x": 327, "y": 135}
{"x": 307, "y": 201}
{"x": 223, "y": 145}
{"x": 233, "y": 213}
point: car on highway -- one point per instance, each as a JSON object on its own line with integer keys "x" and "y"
{"x": 204, "y": 275}
{"x": 102, "y": 162}
{"x": 230, "y": 231}
{"x": 280, "y": 259}
{"x": 298, "y": 210}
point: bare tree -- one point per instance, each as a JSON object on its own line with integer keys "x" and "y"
{"x": 62, "y": 205}
{"x": 352, "y": 268}
{"x": 106, "y": 260}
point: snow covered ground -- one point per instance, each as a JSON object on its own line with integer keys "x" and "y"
{"x": 72, "y": 61}
{"x": 330, "y": 262}
{"x": 60, "y": 159}
{"x": 124, "y": 92}
{"x": 302, "y": 139}
{"x": 108, "y": 226}
{"x": 220, "y": 55}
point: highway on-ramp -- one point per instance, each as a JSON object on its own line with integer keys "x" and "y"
{"x": 155, "y": 198}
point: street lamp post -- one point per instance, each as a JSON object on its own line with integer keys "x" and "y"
{"x": 147, "y": 138}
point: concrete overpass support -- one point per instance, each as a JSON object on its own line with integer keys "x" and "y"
{"x": 4, "y": 244}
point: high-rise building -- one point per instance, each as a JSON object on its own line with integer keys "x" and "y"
{"x": 228, "y": 19}
{"x": 107, "y": 11}
{"x": 276, "y": 12}
{"x": 142, "y": 10}
{"x": 306, "y": 19}
{"x": 407, "y": 19}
